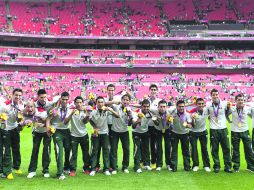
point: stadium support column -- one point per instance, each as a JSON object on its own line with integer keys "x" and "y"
{"x": 49, "y": 8}
{"x": 163, "y": 17}
{"x": 87, "y": 20}
{"x": 46, "y": 22}
{"x": 88, "y": 6}
{"x": 8, "y": 17}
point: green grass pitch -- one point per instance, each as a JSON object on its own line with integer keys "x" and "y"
{"x": 147, "y": 180}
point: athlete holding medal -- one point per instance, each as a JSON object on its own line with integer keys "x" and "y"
{"x": 240, "y": 131}
{"x": 199, "y": 132}
{"x": 162, "y": 130}
{"x": 62, "y": 137}
{"x": 217, "y": 110}
{"x": 180, "y": 131}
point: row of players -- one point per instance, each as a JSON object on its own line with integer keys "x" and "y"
{"x": 152, "y": 122}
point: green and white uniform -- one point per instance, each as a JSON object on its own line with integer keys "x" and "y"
{"x": 40, "y": 134}
{"x": 152, "y": 133}
{"x": 100, "y": 119}
{"x": 162, "y": 131}
{"x": 180, "y": 132}
{"x": 10, "y": 137}
{"x": 240, "y": 131}
{"x": 62, "y": 140}
{"x": 199, "y": 132}
{"x": 140, "y": 136}
{"x": 219, "y": 133}
{"x": 79, "y": 135}
{"x": 120, "y": 131}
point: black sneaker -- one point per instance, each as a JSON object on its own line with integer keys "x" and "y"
{"x": 228, "y": 171}
{"x": 174, "y": 170}
{"x": 216, "y": 170}
{"x": 236, "y": 170}
{"x": 187, "y": 169}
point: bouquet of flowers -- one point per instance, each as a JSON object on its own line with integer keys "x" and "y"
{"x": 95, "y": 133}
{"x": 20, "y": 117}
{"x": 195, "y": 115}
{"x": 90, "y": 96}
{"x": 52, "y": 112}
{"x": 170, "y": 118}
{"x": 52, "y": 130}
{"x": 194, "y": 99}
{"x": 3, "y": 117}
{"x": 126, "y": 109}
{"x": 141, "y": 115}
{"x": 77, "y": 112}
{"x": 229, "y": 104}
{"x": 28, "y": 123}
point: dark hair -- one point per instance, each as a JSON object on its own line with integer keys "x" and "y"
{"x": 199, "y": 100}
{"x": 111, "y": 85}
{"x": 17, "y": 90}
{"x": 180, "y": 102}
{"x": 239, "y": 96}
{"x": 65, "y": 94}
{"x": 126, "y": 95}
{"x": 78, "y": 98}
{"x": 162, "y": 102}
{"x": 214, "y": 90}
{"x": 145, "y": 102}
{"x": 99, "y": 97}
{"x": 153, "y": 86}
{"x": 41, "y": 91}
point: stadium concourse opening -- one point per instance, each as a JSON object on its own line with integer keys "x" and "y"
{"x": 149, "y": 73}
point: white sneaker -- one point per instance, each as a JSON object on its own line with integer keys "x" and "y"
{"x": 46, "y": 175}
{"x": 31, "y": 175}
{"x": 195, "y": 168}
{"x": 61, "y": 177}
{"x": 67, "y": 172}
{"x": 126, "y": 171}
{"x": 169, "y": 168}
{"x": 114, "y": 172}
{"x": 139, "y": 171}
{"x": 107, "y": 173}
{"x": 207, "y": 169}
{"x": 158, "y": 169}
{"x": 147, "y": 168}
{"x": 92, "y": 173}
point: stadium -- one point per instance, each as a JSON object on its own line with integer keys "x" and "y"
{"x": 183, "y": 48}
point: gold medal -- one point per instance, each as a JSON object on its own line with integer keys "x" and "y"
{"x": 216, "y": 120}
{"x": 163, "y": 131}
{"x": 185, "y": 124}
{"x": 239, "y": 124}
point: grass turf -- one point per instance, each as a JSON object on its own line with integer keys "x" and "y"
{"x": 147, "y": 180}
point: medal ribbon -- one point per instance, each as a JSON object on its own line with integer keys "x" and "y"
{"x": 164, "y": 122}
{"x": 240, "y": 114}
{"x": 182, "y": 117}
{"x": 216, "y": 111}
{"x": 62, "y": 116}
